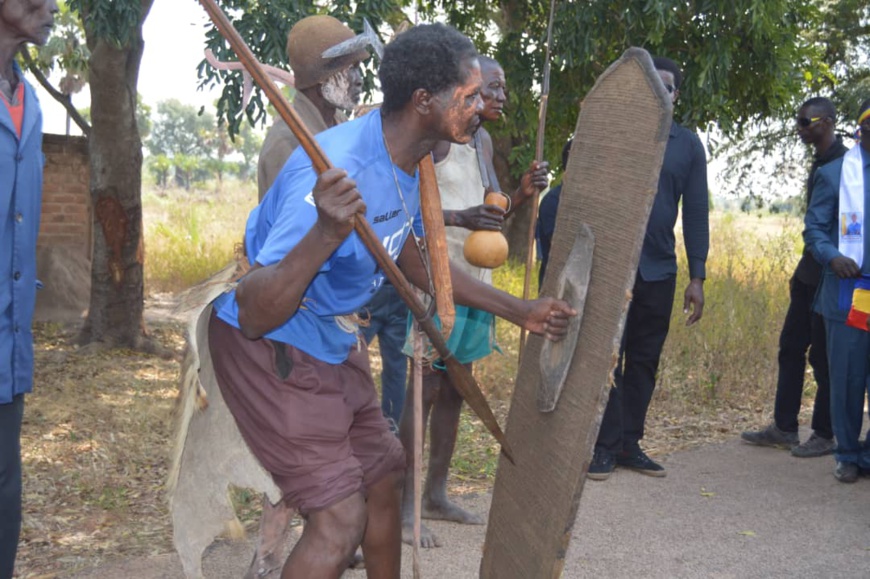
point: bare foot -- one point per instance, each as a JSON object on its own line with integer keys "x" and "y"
{"x": 268, "y": 558}
{"x": 428, "y": 540}
{"x": 267, "y": 567}
{"x": 444, "y": 510}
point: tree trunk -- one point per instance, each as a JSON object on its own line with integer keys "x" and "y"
{"x": 516, "y": 229}
{"x": 512, "y": 18}
{"x": 117, "y": 276}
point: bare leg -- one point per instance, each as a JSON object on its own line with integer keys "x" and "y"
{"x": 270, "y": 544}
{"x": 431, "y": 384}
{"x": 328, "y": 541}
{"x": 382, "y": 542}
{"x": 442, "y": 442}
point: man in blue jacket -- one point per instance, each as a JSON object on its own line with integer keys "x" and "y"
{"x": 21, "y": 161}
{"x": 841, "y": 188}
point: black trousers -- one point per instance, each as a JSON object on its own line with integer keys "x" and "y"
{"x": 646, "y": 328}
{"x": 803, "y": 329}
{"x": 10, "y": 482}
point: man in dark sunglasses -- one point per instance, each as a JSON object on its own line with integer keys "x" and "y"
{"x": 804, "y": 330}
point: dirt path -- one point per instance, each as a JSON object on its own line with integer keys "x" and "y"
{"x": 724, "y": 510}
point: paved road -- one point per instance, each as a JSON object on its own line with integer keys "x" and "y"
{"x": 723, "y": 511}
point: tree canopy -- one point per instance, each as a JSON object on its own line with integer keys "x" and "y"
{"x": 744, "y": 61}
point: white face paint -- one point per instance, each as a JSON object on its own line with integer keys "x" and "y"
{"x": 336, "y": 90}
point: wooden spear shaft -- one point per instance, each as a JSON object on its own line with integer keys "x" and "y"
{"x": 539, "y": 156}
{"x": 418, "y": 445}
{"x": 460, "y": 377}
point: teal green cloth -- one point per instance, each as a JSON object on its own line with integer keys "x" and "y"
{"x": 472, "y": 338}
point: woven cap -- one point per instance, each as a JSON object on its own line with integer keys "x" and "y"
{"x": 305, "y": 45}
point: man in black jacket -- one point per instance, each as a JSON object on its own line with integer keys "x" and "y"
{"x": 683, "y": 179}
{"x": 804, "y": 330}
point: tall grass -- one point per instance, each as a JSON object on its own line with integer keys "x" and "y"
{"x": 729, "y": 357}
{"x": 190, "y": 235}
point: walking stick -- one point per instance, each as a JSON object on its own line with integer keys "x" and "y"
{"x": 460, "y": 377}
{"x": 539, "y": 156}
{"x": 418, "y": 445}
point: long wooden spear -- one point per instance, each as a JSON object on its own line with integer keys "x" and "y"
{"x": 539, "y": 156}
{"x": 460, "y": 377}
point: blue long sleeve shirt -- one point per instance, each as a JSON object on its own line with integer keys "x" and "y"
{"x": 821, "y": 235}
{"x": 21, "y": 164}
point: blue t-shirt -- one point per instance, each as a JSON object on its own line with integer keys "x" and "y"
{"x": 350, "y": 277}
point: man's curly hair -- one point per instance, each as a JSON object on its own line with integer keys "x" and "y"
{"x": 428, "y": 56}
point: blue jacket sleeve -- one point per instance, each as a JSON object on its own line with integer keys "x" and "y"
{"x": 820, "y": 222}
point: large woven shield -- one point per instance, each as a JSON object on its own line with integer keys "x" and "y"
{"x": 609, "y": 187}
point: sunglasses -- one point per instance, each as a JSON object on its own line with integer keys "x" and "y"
{"x": 805, "y": 122}
{"x": 670, "y": 88}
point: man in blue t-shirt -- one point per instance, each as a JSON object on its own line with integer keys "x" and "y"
{"x": 285, "y": 344}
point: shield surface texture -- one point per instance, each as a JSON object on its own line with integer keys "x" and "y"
{"x": 609, "y": 185}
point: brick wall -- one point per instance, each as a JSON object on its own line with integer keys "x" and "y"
{"x": 66, "y": 200}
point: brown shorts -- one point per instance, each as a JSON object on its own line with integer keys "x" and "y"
{"x": 318, "y": 429}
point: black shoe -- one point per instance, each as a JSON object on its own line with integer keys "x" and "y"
{"x": 637, "y": 460}
{"x": 846, "y": 472}
{"x": 814, "y": 446}
{"x": 771, "y": 436}
{"x": 602, "y": 465}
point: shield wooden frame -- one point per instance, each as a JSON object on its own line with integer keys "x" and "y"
{"x": 610, "y": 185}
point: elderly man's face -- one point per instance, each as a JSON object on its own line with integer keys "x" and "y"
{"x": 458, "y": 108}
{"x": 493, "y": 92}
{"x": 28, "y": 20}
{"x": 343, "y": 89}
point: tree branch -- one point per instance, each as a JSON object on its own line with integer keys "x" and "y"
{"x": 60, "y": 97}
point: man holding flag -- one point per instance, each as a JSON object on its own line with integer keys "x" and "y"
{"x": 841, "y": 190}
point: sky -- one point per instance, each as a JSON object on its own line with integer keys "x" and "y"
{"x": 174, "y": 36}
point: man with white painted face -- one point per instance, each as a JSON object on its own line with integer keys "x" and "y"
{"x": 21, "y": 164}
{"x": 326, "y": 89}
